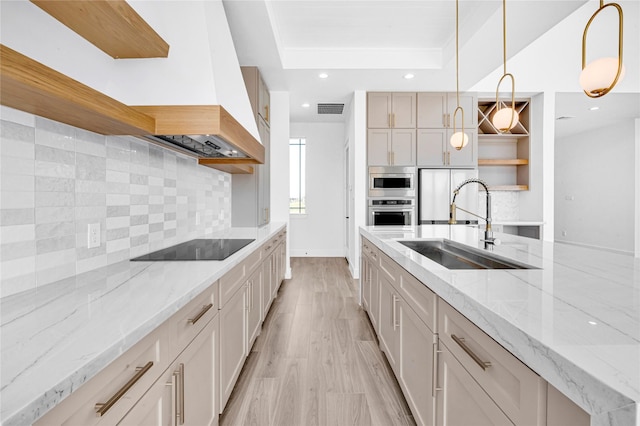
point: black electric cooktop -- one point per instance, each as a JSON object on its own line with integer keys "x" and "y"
{"x": 201, "y": 249}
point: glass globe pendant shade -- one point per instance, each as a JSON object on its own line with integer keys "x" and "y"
{"x": 503, "y": 117}
{"x": 598, "y": 76}
{"x": 459, "y": 140}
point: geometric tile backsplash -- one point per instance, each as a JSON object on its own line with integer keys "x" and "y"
{"x": 55, "y": 180}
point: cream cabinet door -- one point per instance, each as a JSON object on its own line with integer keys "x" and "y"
{"x": 374, "y": 303}
{"x": 403, "y": 110}
{"x": 469, "y": 104}
{"x": 432, "y": 110}
{"x": 365, "y": 283}
{"x": 379, "y": 110}
{"x": 268, "y": 280}
{"x": 233, "y": 334}
{"x": 467, "y": 156}
{"x": 416, "y": 350}
{"x": 187, "y": 393}
{"x": 388, "y": 326}
{"x": 403, "y": 147}
{"x": 379, "y": 147}
{"x": 431, "y": 147}
{"x": 459, "y": 398}
{"x": 263, "y": 100}
{"x": 198, "y": 372}
{"x": 254, "y": 315}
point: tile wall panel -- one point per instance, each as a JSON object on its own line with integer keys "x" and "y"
{"x": 55, "y": 180}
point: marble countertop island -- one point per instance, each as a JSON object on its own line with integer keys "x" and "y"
{"x": 57, "y": 337}
{"x": 575, "y": 321}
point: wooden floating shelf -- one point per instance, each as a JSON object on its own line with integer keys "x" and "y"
{"x": 234, "y": 169}
{"x": 502, "y": 162}
{"x": 508, "y": 187}
{"x": 30, "y": 86}
{"x": 112, "y": 26}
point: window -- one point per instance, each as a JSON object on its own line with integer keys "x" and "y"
{"x": 297, "y": 166}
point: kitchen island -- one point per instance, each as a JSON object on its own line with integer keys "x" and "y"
{"x": 575, "y": 320}
{"x": 57, "y": 337}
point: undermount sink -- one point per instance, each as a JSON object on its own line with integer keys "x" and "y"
{"x": 454, "y": 255}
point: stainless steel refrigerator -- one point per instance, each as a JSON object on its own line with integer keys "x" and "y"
{"x": 436, "y": 191}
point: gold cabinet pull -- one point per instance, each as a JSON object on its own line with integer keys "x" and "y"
{"x": 460, "y": 341}
{"x": 266, "y": 113}
{"x": 200, "y": 314}
{"x": 102, "y": 408}
{"x": 179, "y": 394}
{"x": 434, "y": 371}
{"x": 395, "y": 322}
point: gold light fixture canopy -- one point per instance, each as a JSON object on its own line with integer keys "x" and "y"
{"x": 600, "y": 76}
{"x": 459, "y": 139}
{"x": 505, "y": 118}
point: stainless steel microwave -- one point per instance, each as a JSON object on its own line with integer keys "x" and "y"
{"x": 392, "y": 181}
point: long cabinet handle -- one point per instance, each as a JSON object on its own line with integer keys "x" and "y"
{"x": 179, "y": 394}
{"x": 394, "y": 301}
{"x": 434, "y": 370}
{"x": 460, "y": 341}
{"x": 102, "y": 408}
{"x": 200, "y": 314}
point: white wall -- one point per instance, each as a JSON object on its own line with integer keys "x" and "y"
{"x": 357, "y": 136}
{"x": 279, "y": 158}
{"x": 595, "y": 187}
{"x": 320, "y": 232}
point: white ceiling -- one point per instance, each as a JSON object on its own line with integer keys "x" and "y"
{"x": 371, "y": 45}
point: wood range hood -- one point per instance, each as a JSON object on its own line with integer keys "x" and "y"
{"x": 30, "y": 86}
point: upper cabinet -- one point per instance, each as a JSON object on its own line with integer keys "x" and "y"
{"x": 250, "y": 196}
{"x": 408, "y": 129}
{"x": 387, "y": 110}
{"x": 435, "y": 127}
{"x": 435, "y": 110}
{"x": 391, "y": 147}
{"x": 258, "y": 93}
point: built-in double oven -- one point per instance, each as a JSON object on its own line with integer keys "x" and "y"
{"x": 391, "y": 199}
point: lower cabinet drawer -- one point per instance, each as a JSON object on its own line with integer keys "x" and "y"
{"x": 191, "y": 319}
{"x": 107, "y": 397}
{"x": 515, "y": 388}
{"x": 237, "y": 276}
{"x": 421, "y": 299}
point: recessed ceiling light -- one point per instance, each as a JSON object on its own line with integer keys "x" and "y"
{"x": 409, "y": 76}
{"x": 595, "y": 108}
{"x": 305, "y": 105}
{"x": 323, "y": 75}
{"x": 592, "y": 323}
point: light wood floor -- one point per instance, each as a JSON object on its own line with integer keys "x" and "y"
{"x": 317, "y": 361}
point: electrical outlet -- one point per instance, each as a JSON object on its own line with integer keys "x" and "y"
{"x": 564, "y": 233}
{"x": 93, "y": 235}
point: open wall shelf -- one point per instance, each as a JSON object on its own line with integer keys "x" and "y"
{"x": 503, "y": 158}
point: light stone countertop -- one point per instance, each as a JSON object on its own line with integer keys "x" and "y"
{"x": 57, "y": 337}
{"x": 575, "y": 321}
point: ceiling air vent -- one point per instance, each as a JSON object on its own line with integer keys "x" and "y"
{"x": 330, "y": 108}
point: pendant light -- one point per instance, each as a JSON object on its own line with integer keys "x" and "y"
{"x": 600, "y": 76}
{"x": 505, "y": 118}
{"x": 459, "y": 139}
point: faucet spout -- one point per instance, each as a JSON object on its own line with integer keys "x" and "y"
{"x": 488, "y": 233}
